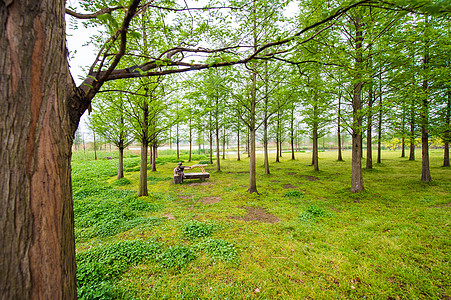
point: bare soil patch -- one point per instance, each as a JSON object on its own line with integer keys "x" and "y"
{"x": 210, "y": 200}
{"x": 185, "y": 197}
{"x": 309, "y": 178}
{"x": 256, "y": 214}
{"x": 289, "y": 186}
{"x": 169, "y": 216}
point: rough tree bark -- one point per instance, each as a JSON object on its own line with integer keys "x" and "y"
{"x": 40, "y": 109}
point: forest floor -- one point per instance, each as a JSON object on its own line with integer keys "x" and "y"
{"x": 304, "y": 236}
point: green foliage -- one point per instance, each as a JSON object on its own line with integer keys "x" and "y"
{"x": 156, "y": 179}
{"x": 204, "y": 162}
{"x": 102, "y": 211}
{"x": 176, "y": 257}
{"x": 140, "y": 205}
{"x": 98, "y": 266}
{"x": 121, "y": 182}
{"x": 196, "y": 229}
{"x": 294, "y": 194}
{"x": 219, "y": 250}
{"x": 312, "y": 213}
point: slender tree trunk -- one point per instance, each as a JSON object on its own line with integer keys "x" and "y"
{"x": 248, "y": 143}
{"x": 369, "y": 147}
{"x": 315, "y": 148}
{"x": 447, "y": 135}
{"x": 211, "y": 147}
{"x": 292, "y": 134}
{"x": 142, "y": 189}
{"x": 340, "y": 157}
{"x": 265, "y": 146}
{"x": 425, "y": 172}
{"x": 218, "y": 160}
{"x": 277, "y": 147}
{"x": 200, "y": 141}
{"x": 177, "y": 141}
{"x": 412, "y": 130}
{"x": 252, "y": 163}
{"x": 95, "y": 146}
{"x": 357, "y": 178}
{"x": 154, "y": 157}
{"x": 238, "y": 143}
{"x": 223, "y": 143}
{"x": 120, "y": 165}
{"x": 281, "y": 143}
{"x": 190, "y": 140}
{"x": 142, "y": 184}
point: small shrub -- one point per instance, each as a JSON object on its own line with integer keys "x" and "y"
{"x": 176, "y": 257}
{"x": 204, "y": 162}
{"x": 196, "y": 229}
{"x": 312, "y": 213}
{"x": 293, "y": 194}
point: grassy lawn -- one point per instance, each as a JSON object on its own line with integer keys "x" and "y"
{"x": 305, "y": 236}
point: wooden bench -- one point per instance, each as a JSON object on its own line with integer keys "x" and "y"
{"x": 179, "y": 175}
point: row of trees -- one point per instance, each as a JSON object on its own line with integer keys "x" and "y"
{"x": 372, "y": 49}
{"x": 373, "y": 70}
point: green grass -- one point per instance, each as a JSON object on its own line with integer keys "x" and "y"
{"x": 390, "y": 242}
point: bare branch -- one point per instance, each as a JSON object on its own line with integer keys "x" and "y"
{"x": 94, "y": 15}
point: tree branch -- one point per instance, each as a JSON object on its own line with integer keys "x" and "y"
{"x": 94, "y": 15}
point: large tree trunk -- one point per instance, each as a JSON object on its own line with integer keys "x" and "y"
{"x": 357, "y": 179}
{"x": 38, "y": 118}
